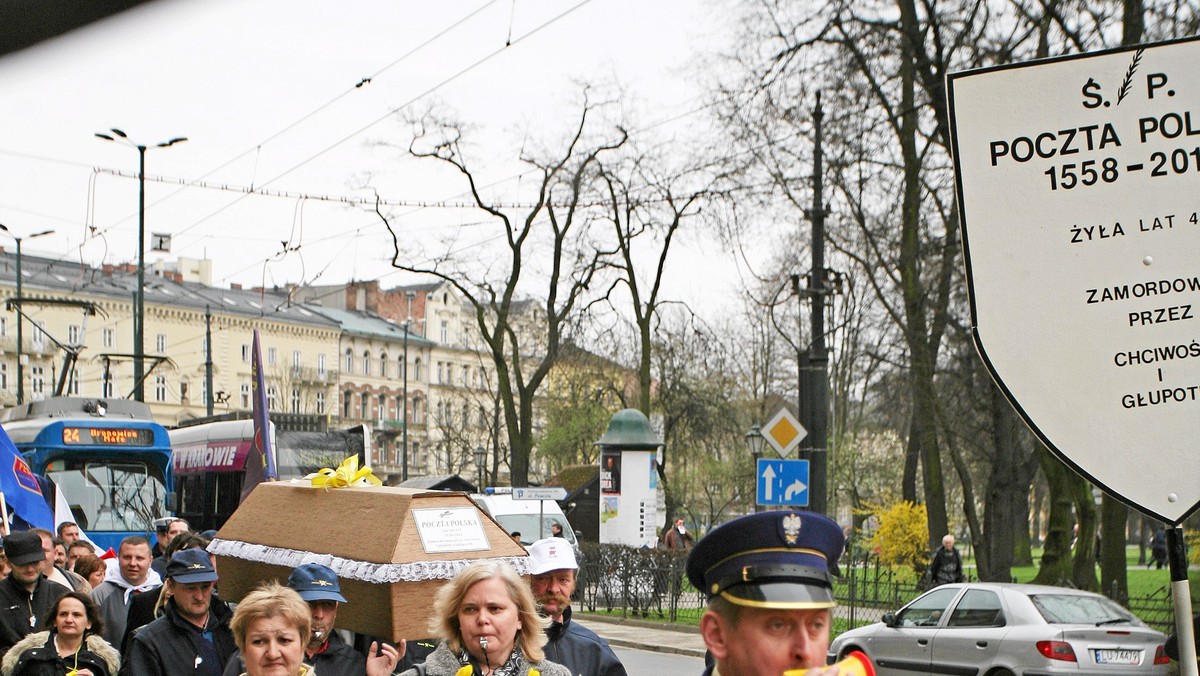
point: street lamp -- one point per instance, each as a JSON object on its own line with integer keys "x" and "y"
{"x": 754, "y": 439}
{"x": 139, "y": 334}
{"x": 21, "y": 317}
{"x": 404, "y": 440}
{"x": 480, "y": 454}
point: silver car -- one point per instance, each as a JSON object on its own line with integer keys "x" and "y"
{"x": 1008, "y": 630}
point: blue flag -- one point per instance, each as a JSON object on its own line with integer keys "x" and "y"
{"x": 260, "y": 462}
{"x": 21, "y": 489}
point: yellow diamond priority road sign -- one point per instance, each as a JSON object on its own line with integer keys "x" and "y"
{"x": 784, "y": 432}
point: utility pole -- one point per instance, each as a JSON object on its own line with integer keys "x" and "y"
{"x": 814, "y": 381}
{"x": 208, "y": 364}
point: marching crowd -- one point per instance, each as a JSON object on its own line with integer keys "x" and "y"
{"x": 157, "y": 611}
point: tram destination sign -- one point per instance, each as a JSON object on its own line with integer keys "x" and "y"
{"x": 1078, "y": 185}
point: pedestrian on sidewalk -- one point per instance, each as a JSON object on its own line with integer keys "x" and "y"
{"x": 769, "y": 591}
{"x": 946, "y": 565}
{"x": 553, "y": 569}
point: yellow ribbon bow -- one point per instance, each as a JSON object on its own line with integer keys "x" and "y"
{"x": 347, "y": 474}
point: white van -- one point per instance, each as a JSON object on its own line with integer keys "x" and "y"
{"x": 531, "y": 518}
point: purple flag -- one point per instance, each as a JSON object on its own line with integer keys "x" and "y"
{"x": 260, "y": 463}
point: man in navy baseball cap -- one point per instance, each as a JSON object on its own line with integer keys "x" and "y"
{"x": 769, "y": 591}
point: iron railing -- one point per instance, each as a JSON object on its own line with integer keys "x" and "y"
{"x": 643, "y": 582}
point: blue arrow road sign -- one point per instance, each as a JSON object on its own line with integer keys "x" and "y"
{"x": 782, "y": 482}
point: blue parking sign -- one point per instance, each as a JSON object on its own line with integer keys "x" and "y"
{"x": 782, "y": 482}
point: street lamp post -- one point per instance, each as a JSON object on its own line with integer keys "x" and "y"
{"x": 404, "y": 439}
{"x": 480, "y": 454}
{"x": 21, "y": 317}
{"x": 754, "y": 439}
{"x": 139, "y": 334}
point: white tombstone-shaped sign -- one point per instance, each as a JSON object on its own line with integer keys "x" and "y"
{"x": 1079, "y": 192}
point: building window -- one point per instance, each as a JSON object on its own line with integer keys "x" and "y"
{"x": 110, "y": 337}
{"x": 272, "y": 398}
{"x": 399, "y": 408}
{"x": 321, "y": 365}
{"x": 346, "y": 396}
{"x": 417, "y": 369}
{"x": 383, "y": 365}
{"x": 366, "y": 363}
{"x": 3, "y": 326}
{"x": 320, "y": 402}
{"x": 160, "y": 388}
{"x": 441, "y": 373}
{"x": 418, "y": 460}
{"x": 271, "y": 356}
{"x": 108, "y": 386}
{"x": 204, "y": 391}
{"x": 37, "y": 379}
{"x": 296, "y": 359}
{"x": 3, "y": 375}
{"x": 73, "y": 383}
{"x": 245, "y": 395}
{"x": 466, "y": 377}
{"x": 296, "y": 399}
{"x": 39, "y": 338}
{"x": 349, "y": 368}
{"x": 245, "y": 353}
{"x": 72, "y": 334}
{"x": 364, "y": 406}
{"x": 160, "y": 343}
{"x": 418, "y": 415}
{"x": 402, "y": 373}
{"x": 445, "y": 332}
{"x": 381, "y": 408}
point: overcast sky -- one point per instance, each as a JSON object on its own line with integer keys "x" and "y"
{"x": 265, "y": 92}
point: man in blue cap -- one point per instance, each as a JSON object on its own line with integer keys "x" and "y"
{"x": 328, "y": 654}
{"x": 769, "y": 592}
{"x": 193, "y": 633}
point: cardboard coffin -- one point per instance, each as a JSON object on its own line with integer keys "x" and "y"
{"x": 392, "y": 548}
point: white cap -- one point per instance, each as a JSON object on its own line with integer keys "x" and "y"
{"x": 551, "y": 554}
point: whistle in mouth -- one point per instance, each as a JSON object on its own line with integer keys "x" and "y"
{"x": 855, "y": 664}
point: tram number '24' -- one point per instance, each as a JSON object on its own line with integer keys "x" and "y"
{"x": 1089, "y": 172}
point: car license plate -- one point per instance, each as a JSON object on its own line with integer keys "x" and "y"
{"x": 1126, "y": 657}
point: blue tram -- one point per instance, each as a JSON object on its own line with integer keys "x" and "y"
{"x": 107, "y": 456}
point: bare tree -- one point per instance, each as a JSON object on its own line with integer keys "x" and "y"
{"x": 551, "y": 233}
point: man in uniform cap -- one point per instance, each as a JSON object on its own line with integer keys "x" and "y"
{"x": 193, "y": 634}
{"x": 769, "y": 592}
{"x": 553, "y": 569}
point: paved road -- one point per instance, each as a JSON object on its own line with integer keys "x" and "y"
{"x": 647, "y": 663}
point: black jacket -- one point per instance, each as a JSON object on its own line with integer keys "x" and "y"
{"x": 35, "y": 655}
{"x": 171, "y": 645}
{"x": 18, "y": 605}
{"x": 579, "y": 649}
{"x": 338, "y": 659}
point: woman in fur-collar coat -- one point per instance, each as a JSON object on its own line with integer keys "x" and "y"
{"x": 71, "y": 644}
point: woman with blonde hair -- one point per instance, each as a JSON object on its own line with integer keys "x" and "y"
{"x": 488, "y": 624}
{"x": 271, "y": 626}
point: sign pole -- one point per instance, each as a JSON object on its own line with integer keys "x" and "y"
{"x": 1182, "y": 596}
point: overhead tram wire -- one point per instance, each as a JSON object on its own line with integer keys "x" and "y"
{"x": 258, "y": 146}
{"x": 397, "y": 109}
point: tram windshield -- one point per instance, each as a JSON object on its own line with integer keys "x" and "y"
{"x": 111, "y": 496}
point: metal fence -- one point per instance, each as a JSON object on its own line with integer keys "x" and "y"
{"x": 641, "y": 582}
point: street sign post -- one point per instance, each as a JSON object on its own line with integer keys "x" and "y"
{"x": 540, "y": 493}
{"x": 784, "y": 432}
{"x": 782, "y": 482}
{"x": 1079, "y": 195}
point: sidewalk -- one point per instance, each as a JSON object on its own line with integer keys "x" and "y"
{"x": 643, "y": 635}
